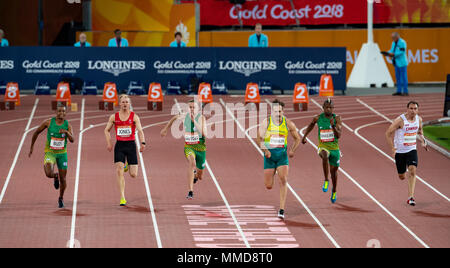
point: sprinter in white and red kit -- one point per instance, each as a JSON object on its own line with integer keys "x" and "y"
{"x": 407, "y": 129}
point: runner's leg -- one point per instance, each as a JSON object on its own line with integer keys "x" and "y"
{"x": 62, "y": 181}
{"x": 120, "y": 178}
{"x": 48, "y": 168}
{"x": 191, "y": 168}
{"x": 324, "y": 155}
{"x": 268, "y": 178}
{"x": 133, "y": 170}
{"x": 200, "y": 174}
{"x": 282, "y": 175}
{"x": 411, "y": 180}
{"x": 333, "y": 172}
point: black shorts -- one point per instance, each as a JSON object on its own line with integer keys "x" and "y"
{"x": 125, "y": 150}
{"x": 402, "y": 161}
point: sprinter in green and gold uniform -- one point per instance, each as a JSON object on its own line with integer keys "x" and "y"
{"x": 58, "y": 132}
{"x": 330, "y": 126}
{"x": 275, "y": 130}
{"x": 195, "y": 148}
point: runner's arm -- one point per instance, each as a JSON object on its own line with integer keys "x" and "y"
{"x": 310, "y": 128}
{"x": 390, "y": 132}
{"x": 168, "y": 125}
{"x": 420, "y": 136}
{"x": 68, "y": 132}
{"x": 140, "y": 131}
{"x": 261, "y": 133}
{"x": 293, "y": 130}
{"x": 36, "y": 133}
{"x": 337, "y": 128}
{"x": 108, "y": 127}
{"x": 201, "y": 126}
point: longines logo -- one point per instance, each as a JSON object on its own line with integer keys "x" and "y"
{"x": 248, "y": 68}
{"x": 116, "y": 67}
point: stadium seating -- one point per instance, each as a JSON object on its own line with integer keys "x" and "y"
{"x": 2, "y": 87}
{"x": 173, "y": 88}
{"x": 265, "y": 88}
{"x": 219, "y": 88}
{"x": 42, "y": 88}
{"x": 89, "y": 88}
{"x": 136, "y": 88}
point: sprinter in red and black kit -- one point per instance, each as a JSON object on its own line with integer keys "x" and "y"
{"x": 125, "y": 123}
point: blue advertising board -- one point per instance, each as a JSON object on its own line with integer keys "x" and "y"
{"x": 282, "y": 67}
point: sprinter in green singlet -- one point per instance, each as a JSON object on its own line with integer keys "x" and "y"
{"x": 272, "y": 137}
{"x": 195, "y": 148}
{"x": 330, "y": 130}
{"x": 58, "y": 132}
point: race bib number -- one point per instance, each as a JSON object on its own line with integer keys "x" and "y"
{"x": 124, "y": 132}
{"x": 326, "y": 135}
{"x": 277, "y": 141}
{"x": 409, "y": 139}
{"x": 191, "y": 138}
{"x": 57, "y": 143}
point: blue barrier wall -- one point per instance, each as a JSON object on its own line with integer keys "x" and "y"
{"x": 283, "y": 67}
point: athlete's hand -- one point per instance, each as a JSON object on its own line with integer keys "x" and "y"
{"x": 394, "y": 151}
{"x": 109, "y": 147}
{"x": 332, "y": 122}
{"x": 267, "y": 154}
{"x": 304, "y": 140}
{"x": 63, "y": 131}
{"x": 142, "y": 148}
{"x": 291, "y": 153}
{"x": 31, "y": 152}
{"x": 425, "y": 145}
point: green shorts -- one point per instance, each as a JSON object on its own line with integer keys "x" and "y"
{"x": 59, "y": 159}
{"x": 200, "y": 157}
{"x": 278, "y": 157}
{"x": 334, "y": 156}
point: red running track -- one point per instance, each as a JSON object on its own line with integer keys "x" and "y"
{"x": 231, "y": 207}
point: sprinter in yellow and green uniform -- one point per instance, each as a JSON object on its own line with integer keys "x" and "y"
{"x": 330, "y": 130}
{"x": 195, "y": 148}
{"x": 58, "y": 132}
{"x": 275, "y": 130}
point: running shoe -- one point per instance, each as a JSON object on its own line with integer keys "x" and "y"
{"x": 281, "y": 214}
{"x": 56, "y": 181}
{"x": 125, "y": 168}
{"x": 195, "y": 177}
{"x": 123, "y": 202}
{"x": 333, "y": 197}
{"x": 411, "y": 202}
{"x": 60, "y": 203}
{"x": 190, "y": 195}
{"x": 325, "y": 186}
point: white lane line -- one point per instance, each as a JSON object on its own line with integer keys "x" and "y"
{"x": 149, "y": 195}
{"x": 11, "y": 169}
{"x": 289, "y": 187}
{"x": 77, "y": 177}
{"x": 389, "y": 157}
{"x": 371, "y": 197}
{"x": 241, "y": 232}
